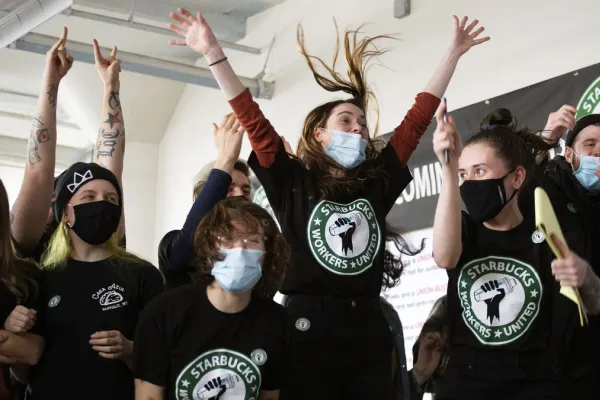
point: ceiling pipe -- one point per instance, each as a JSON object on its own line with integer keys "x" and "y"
{"x": 149, "y": 28}
{"x": 40, "y": 44}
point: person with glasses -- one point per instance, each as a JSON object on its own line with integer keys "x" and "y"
{"x": 221, "y": 336}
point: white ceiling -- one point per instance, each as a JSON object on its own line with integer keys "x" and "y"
{"x": 148, "y": 102}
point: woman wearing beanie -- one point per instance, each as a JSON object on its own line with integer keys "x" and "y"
{"x": 94, "y": 291}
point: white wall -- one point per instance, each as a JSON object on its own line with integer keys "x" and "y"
{"x": 531, "y": 41}
{"x": 139, "y": 186}
{"x": 11, "y": 176}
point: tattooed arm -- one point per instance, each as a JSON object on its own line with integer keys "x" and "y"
{"x": 110, "y": 144}
{"x": 30, "y": 212}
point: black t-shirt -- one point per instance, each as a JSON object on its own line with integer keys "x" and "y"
{"x": 83, "y": 298}
{"x": 184, "y": 344}
{"x": 337, "y": 244}
{"x": 501, "y": 293}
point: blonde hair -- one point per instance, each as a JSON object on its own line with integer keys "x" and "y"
{"x": 60, "y": 247}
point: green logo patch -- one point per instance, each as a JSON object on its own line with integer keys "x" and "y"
{"x": 222, "y": 374}
{"x": 590, "y": 101}
{"x": 500, "y": 298}
{"x": 344, "y": 238}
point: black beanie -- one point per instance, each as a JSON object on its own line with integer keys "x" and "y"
{"x": 70, "y": 180}
{"x": 581, "y": 124}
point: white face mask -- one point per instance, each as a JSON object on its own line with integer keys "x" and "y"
{"x": 346, "y": 149}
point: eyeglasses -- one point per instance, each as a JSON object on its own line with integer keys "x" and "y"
{"x": 251, "y": 241}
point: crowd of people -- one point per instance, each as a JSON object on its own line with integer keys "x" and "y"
{"x": 84, "y": 318}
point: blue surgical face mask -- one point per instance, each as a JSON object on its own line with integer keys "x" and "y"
{"x": 239, "y": 271}
{"x": 586, "y": 173}
{"x": 347, "y": 149}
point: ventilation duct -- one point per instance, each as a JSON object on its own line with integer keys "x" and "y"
{"x": 401, "y": 8}
{"x": 18, "y": 17}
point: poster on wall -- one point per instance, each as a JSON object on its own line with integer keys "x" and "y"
{"x": 422, "y": 282}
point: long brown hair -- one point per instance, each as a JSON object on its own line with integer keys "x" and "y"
{"x": 358, "y": 54}
{"x": 218, "y": 223}
{"x": 17, "y": 274}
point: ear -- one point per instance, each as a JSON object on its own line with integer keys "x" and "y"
{"x": 319, "y": 132}
{"x": 569, "y": 155}
{"x": 519, "y": 177}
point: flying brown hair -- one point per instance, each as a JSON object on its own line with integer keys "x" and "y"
{"x": 218, "y": 223}
{"x": 358, "y": 52}
{"x": 17, "y": 274}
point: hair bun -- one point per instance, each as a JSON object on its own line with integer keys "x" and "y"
{"x": 499, "y": 117}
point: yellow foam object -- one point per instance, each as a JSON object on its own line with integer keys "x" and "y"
{"x": 547, "y": 223}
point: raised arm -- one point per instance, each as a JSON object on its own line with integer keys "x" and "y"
{"x": 198, "y": 35}
{"x": 228, "y": 139}
{"x": 447, "y": 243}
{"x": 406, "y": 136}
{"x": 110, "y": 144}
{"x": 30, "y": 211}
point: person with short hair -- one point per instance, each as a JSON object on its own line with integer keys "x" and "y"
{"x": 573, "y": 185}
{"x": 221, "y": 336}
{"x": 94, "y": 291}
{"x": 226, "y": 177}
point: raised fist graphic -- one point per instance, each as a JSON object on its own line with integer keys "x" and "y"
{"x": 493, "y": 295}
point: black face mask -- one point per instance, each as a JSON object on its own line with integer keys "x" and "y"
{"x": 485, "y": 198}
{"x": 96, "y": 222}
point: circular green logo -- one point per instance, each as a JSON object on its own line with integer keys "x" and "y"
{"x": 500, "y": 298}
{"x": 219, "y": 374}
{"x": 344, "y": 238}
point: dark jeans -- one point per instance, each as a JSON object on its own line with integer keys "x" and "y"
{"x": 345, "y": 352}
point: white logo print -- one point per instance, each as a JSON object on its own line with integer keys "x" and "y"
{"x": 110, "y": 298}
{"x": 78, "y": 180}
{"x": 500, "y": 298}
{"x": 54, "y": 301}
{"x": 219, "y": 374}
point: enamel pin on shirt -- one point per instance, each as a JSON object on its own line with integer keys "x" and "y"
{"x": 547, "y": 223}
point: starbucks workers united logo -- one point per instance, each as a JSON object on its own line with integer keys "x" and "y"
{"x": 220, "y": 374}
{"x": 500, "y": 298}
{"x": 590, "y": 101}
{"x": 344, "y": 238}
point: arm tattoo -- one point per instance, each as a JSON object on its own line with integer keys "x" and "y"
{"x": 107, "y": 141}
{"x": 52, "y": 94}
{"x": 39, "y": 134}
{"x": 114, "y": 100}
{"x": 114, "y": 119}
{"x": 590, "y": 292}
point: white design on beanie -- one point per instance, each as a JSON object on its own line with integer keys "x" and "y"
{"x": 82, "y": 178}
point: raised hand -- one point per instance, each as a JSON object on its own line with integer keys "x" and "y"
{"x": 195, "y": 32}
{"x": 109, "y": 67}
{"x": 465, "y": 36}
{"x": 228, "y": 138}
{"x": 58, "y": 60}
{"x": 446, "y": 137}
{"x": 559, "y": 122}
